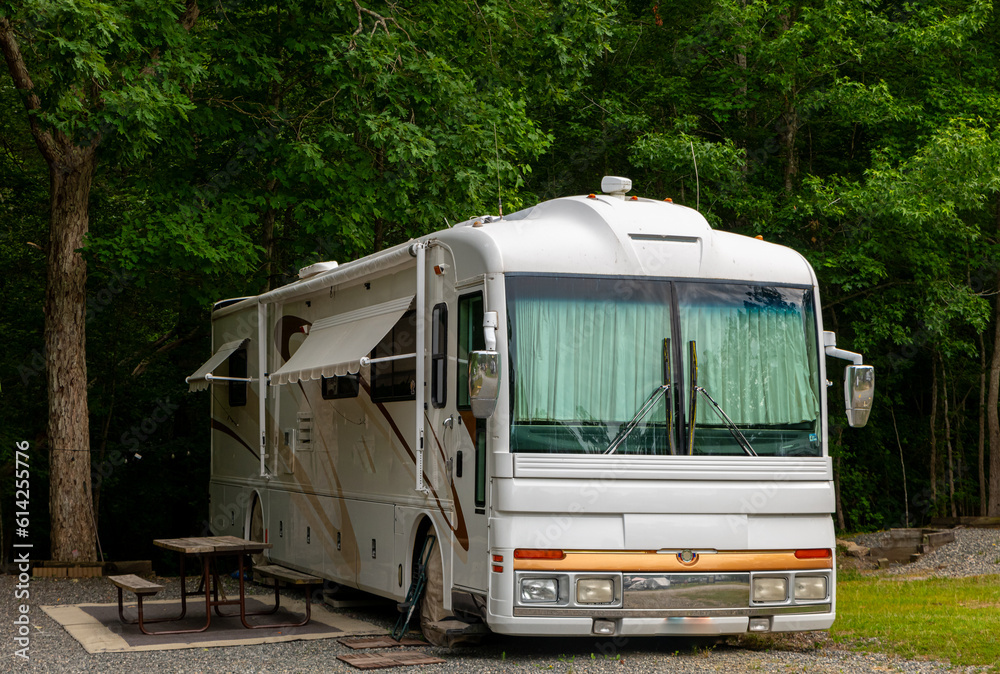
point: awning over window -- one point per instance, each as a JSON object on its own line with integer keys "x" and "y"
{"x": 336, "y": 344}
{"x": 197, "y": 381}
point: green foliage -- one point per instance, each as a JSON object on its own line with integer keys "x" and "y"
{"x": 950, "y": 619}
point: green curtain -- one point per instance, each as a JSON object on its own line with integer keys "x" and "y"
{"x": 586, "y": 360}
{"x": 754, "y": 361}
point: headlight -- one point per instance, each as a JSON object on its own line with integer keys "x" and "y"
{"x": 769, "y": 589}
{"x": 595, "y": 591}
{"x": 810, "y": 587}
{"x": 539, "y": 589}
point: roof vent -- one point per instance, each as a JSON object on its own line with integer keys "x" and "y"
{"x": 615, "y": 186}
{"x": 317, "y": 268}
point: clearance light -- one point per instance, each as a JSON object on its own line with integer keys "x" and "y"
{"x": 634, "y": 198}
{"x": 759, "y": 237}
{"x": 497, "y": 558}
{"x": 539, "y": 554}
{"x": 497, "y": 568}
{"x": 810, "y": 587}
{"x": 817, "y": 553}
{"x": 669, "y": 200}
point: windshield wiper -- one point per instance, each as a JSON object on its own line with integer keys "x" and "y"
{"x": 733, "y": 428}
{"x": 737, "y": 434}
{"x": 627, "y": 429}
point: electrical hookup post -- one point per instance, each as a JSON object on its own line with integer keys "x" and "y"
{"x": 21, "y": 554}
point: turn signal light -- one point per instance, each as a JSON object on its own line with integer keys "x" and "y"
{"x": 818, "y": 553}
{"x": 539, "y": 554}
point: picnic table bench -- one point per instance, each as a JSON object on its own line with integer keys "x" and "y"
{"x": 280, "y": 575}
{"x": 140, "y": 587}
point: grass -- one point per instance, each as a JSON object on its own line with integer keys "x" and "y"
{"x": 954, "y": 619}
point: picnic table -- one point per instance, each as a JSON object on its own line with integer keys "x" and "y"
{"x": 208, "y": 549}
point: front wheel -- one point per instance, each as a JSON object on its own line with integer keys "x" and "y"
{"x": 432, "y": 602}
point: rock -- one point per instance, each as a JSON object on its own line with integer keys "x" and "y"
{"x": 853, "y": 549}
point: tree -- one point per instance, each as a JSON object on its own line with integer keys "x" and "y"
{"x": 88, "y": 71}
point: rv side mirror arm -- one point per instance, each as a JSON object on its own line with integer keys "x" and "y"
{"x": 859, "y": 382}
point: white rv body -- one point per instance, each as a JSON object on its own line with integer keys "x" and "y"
{"x": 674, "y": 536}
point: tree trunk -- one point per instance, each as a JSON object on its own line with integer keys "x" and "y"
{"x": 947, "y": 441}
{"x": 270, "y": 249}
{"x": 934, "y": 401}
{"x": 982, "y": 425}
{"x": 993, "y": 510}
{"x": 788, "y": 134}
{"x": 902, "y": 465}
{"x": 70, "y": 504}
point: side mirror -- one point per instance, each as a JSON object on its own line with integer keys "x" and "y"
{"x": 859, "y": 390}
{"x": 484, "y": 382}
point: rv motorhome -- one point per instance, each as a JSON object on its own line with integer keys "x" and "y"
{"x": 611, "y": 418}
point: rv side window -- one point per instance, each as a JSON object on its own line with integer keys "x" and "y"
{"x": 396, "y": 379}
{"x": 238, "y": 368}
{"x": 345, "y": 386}
{"x": 439, "y": 355}
{"x": 470, "y": 338}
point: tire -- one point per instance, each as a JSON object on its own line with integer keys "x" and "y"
{"x": 432, "y": 602}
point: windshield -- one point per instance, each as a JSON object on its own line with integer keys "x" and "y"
{"x": 756, "y": 354}
{"x": 586, "y": 353}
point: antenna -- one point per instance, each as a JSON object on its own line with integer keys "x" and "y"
{"x": 496, "y": 145}
{"x": 697, "y": 183}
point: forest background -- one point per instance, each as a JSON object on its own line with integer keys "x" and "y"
{"x": 204, "y": 150}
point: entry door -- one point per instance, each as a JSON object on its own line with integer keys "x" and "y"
{"x": 469, "y": 460}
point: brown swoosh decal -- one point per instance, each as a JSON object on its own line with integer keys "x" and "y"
{"x": 461, "y": 531}
{"x": 470, "y": 424}
{"x": 283, "y": 331}
{"x": 219, "y": 426}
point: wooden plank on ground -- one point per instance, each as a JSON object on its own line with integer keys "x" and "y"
{"x": 394, "y": 659}
{"x": 381, "y": 642}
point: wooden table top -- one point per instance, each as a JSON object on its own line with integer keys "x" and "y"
{"x": 210, "y": 545}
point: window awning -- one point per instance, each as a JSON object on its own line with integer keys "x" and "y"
{"x": 335, "y": 345}
{"x": 197, "y": 381}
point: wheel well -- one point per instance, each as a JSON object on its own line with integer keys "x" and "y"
{"x": 248, "y": 518}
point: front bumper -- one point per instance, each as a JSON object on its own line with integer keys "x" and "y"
{"x": 664, "y": 603}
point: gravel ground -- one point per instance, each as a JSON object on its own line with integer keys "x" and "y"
{"x": 53, "y": 650}
{"x": 975, "y": 552}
